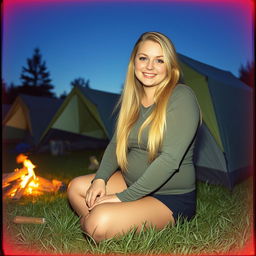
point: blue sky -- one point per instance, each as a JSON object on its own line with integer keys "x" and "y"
{"x": 93, "y": 39}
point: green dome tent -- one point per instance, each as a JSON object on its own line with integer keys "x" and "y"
{"x": 224, "y": 146}
{"x": 5, "y": 109}
{"x": 27, "y": 118}
{"x": 85, "y": 112}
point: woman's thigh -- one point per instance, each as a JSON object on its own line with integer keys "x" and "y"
{"x": 80, "y": 185}
{"x": 110, "y": 219}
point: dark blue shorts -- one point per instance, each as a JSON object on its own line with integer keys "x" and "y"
{"x": 183, "y": 205}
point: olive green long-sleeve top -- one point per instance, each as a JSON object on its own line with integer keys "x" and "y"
{"x": 172, "y": 171}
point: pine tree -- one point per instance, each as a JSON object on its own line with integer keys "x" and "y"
{"x": 246, "y": 74}
{"x": 80, "y": 82}
{"x": 63, "y": 95}
{"x": 35, "y": 77}
{"x": 9, "y": 92}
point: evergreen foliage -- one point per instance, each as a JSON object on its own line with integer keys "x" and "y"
{"x": 35, "y": 77}
{"x": 246, "y": 73}
{"x": 63, "y": 95}
{"x": 9, "y": 92}
{"x": 80, "y": 82}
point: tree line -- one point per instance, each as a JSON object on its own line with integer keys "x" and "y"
{"x": 36, "y": 81}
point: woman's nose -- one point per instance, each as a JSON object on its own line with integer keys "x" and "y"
{"x": 150, "y": 64}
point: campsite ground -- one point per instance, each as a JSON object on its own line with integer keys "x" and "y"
{"x": 223, "y": 223}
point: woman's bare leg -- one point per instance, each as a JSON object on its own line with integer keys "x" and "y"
{"x": 111, "y": 219}
{"x": 78, "y": 187}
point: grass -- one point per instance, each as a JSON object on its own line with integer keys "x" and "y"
{"x": 222, "y": 225}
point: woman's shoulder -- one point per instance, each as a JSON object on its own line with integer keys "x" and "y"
{"x": 182, "y": 89}
{"x": 182, "y": 92}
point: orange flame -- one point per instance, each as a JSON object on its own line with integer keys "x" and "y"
{"x": 33, "y": 184}
{"x": 26, "y": 182}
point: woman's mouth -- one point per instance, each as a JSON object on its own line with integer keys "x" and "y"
{"x": 148, "y": 75}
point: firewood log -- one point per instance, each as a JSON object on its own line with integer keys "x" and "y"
{"x": 42, "y": 189}
{"x": 6, "y": 185}
{"x": 18, "y": 173}
{"x": 25, "y": 220}
{"x": 11, "y": 189}
{"x": 57, "y": 184}
{"x": 45, "y": 183}
{"x": 5, "y": 175}
{"x": 21, "y": 190}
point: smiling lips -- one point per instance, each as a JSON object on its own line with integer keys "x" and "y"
{"x": 148, "y": 75}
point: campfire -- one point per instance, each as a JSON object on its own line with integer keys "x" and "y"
{"x": 23, "y": 182}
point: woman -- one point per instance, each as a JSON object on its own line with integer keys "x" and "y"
{"x": 147, "y": 174}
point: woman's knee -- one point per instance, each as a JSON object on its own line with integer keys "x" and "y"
{"x": 98, "y": 222}
{"x": 79, "y": 185}
{"x": 73, "y": 186}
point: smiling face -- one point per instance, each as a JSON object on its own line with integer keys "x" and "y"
{"x": 150, "y": 66}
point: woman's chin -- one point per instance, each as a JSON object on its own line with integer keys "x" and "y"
{"x": 149, "y": 85}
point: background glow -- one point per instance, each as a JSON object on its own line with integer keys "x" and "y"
{"x": 93, "y": 39}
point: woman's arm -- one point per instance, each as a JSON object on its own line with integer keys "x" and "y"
{"x": 107, "y": 167}
{"x": 108, "y": 163}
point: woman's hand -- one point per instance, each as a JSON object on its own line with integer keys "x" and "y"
{"x": 96, "y": 190}
{"x": 106, "y": 199}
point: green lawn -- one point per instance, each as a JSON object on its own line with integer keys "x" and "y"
{"x": 223, "y": 222}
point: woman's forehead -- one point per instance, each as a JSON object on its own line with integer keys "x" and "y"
{"x": 150, "y": 48}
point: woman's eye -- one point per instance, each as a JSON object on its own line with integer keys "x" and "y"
{"x": 142, "y": 58}
{"x": 159, "y": 61}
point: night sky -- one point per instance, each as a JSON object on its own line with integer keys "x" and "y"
{"x": 94, "y": 39}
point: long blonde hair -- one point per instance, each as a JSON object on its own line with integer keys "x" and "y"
{"x": 130, "y": 101}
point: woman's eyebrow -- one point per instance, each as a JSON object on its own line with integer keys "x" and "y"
{"x": 141, "y": 53}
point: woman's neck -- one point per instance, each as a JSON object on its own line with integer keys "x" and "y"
{"x": 148, "y": 97}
